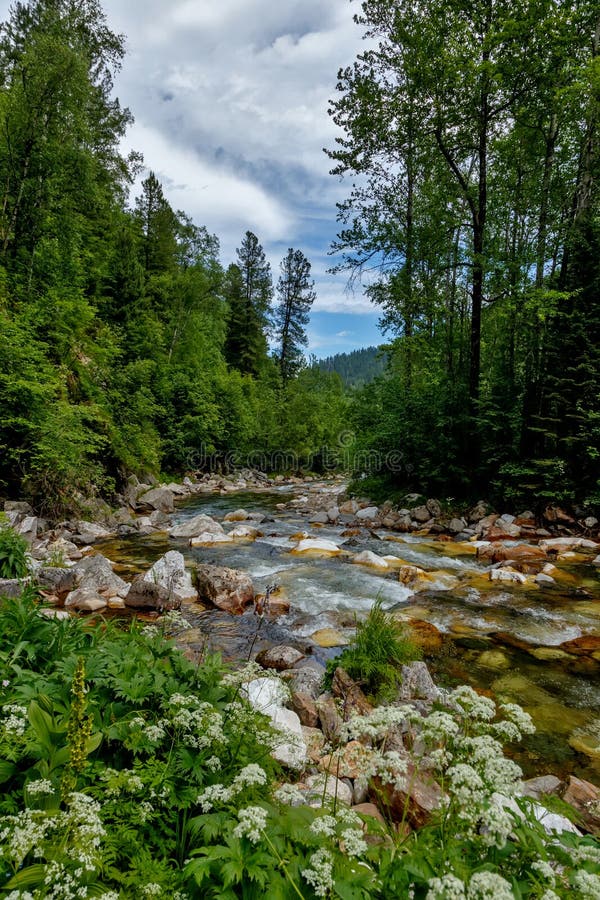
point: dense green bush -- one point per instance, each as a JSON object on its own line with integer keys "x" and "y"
{"x": 377, "y": 653}
{"x": 13, "y": 553}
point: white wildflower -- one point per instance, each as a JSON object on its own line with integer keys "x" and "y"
{"x": 15, "y": 720}
{"x": 155, "y": 733}
{"x": 152, "y": 890}
{"x": 41, "y": 786}
{"x": 544, "y": 869}
{"x": 214, "y": 793}
{"x": 473, "y": 704}
{"x": 353, "y": 843}
{"x": 449, "y": 887}
{"x": 320, "y": 873}
{"x": 250, "y": 775}
{"x": 252, "y": 822}
{"x": 489, "y": 886}
{"x": 289, "y": 795}
{"x": 496, "y": 824}
{"x": 324, "y": 825}
{"x": 518, "y": 716}
{"x": 588, "y": 885}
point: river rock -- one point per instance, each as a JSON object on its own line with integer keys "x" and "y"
{"x": 160, "y": 519}
{"x": 11, "y": 588}
{"x": 349, "y": 507}
{"x": 27, "y": 528}
{"x": 245, "y": 532}
{"x": 319, "y": 517}
{"x": 208, "y": 540}
{"x": 331, "y": 721}
{"x": 552, "y": 822}
{"x": 19, "y": 506}
{"x": 316, "y": 547}
{"x": 502, "y": 531}
{"x": 590, "y": 522}
{"x": 370, "y": 512}
{"x": 333, "y": 514}
{"x": 145, "y": 594}
{"x": 568, "y": 543}
{"x": 170, "y": 573}
{"x": 89, "y": 532}
{"x": 306, "y": 709}
{"x": 326, "y": 784}
{"x": 353, "y": 701}
{"x": 455, "y": 526}
{"x": 508, "y": 575}
{"x": 420, "y": 514}
{"x": 519, "y": 553}
{"x": 434, "y": 508}
{"x": 411, "y": 574}
{"x": 585, "y": 798}
{"x": 493, "y": 659}
{"x": 225, "y": 588}
{"x": 367, "y": 558}
{"x": 349, "y": 761}
{"x": 196, "y": 526}
{"x": 85, "y": 600}
{"x": 267, "y": 696}
{"x": 582, "y": 646}
{"x": 307, "y": 678}
{"x": 158, "y": 498}
{"x": 544, "y": 580}
{"x": 329, "y": 637}
{"x": 95, "y": 573}
{"x": 425, "y": 635}
{"x": 555, "y": 515}
{"x": 416, "y": 798}
{"x": 543, "y": 784}
{"x": 596, "y": 561}
{"x": 417, "y": 683}
{"x": 238, "y": 515}
{"x": 57, "y": 580}
{"x": 279, "y": 657}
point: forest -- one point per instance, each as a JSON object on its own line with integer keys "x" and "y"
{"x": 470, "y": 147}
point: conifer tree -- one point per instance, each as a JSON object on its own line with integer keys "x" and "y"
{"x": 248, "y": 289}
{"x": 295, "y": 290}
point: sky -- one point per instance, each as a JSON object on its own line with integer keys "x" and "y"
{"x": 230, "y": 102}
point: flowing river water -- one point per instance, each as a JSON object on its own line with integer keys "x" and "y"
{"x": 500, "y": 638}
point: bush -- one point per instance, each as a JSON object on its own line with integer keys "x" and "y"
{"x": 379, "y": 650}
{"x": 13, "y": 553}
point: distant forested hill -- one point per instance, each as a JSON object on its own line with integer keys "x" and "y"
{"x": 356, "y": 368}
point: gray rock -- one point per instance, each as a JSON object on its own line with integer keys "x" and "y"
{"x": 543, "y": 784}
{"x": 370, "y": 512}
{"x": 11, "y": 588}
{"x": 596, "y": 561}
{"x": 590, "y": 522}
{"x": 417, "y": 683}
{"x": 196, "y": 526}
{"x": 333, "y": 513}
{"x": 170, "y": 573}
{"x": 160, "y": 519}
{"x": 319, "y": 518}
{"x": 334, "y": 790}
{"x": 28, "y": 528}
{"x": 542, "y": 579}
{"x": 307, "y": 679}
{"x": 85, "y": 600}
{"x": 57, "y": 580}
{"x": 158, "y": 498}
{"x": 279, "y": 657}
{"x": 89, "y": 533}
{"x": 225, "y": 588}
{"x": 420, "y": 514}
{"x": 455, "y": 526}
{"x": 20, "y": 506}
{"x": 434, "y": 508}
{"x": 94, "y": 573}
{"x": 506, "y": 519}
{"x": 149, "y": 595}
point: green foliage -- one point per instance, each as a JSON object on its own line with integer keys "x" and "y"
{"x": 13, "y": 553}
{"x": 377, "y": 653}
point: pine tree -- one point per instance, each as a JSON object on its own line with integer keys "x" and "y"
{"x": 295, "y": 290}
{"x": 248, "y": 289}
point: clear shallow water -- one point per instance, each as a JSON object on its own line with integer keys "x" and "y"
{"x": 491, "y": 631}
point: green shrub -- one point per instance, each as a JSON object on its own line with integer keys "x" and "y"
{"x": 13, "y": 553}
{"x": 375, "y": 657}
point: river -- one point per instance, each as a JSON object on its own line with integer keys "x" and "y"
{"x": 500, "y": 638}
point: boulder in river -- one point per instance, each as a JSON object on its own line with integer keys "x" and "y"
{"x": 195, "y": 526}
{"x": 279, "y": 657}
{"x": 158, "y": 498}
{"x": 367, "y": 558}
{"x": 224, "y": 588}
{"x": 316, "y": 547}
{"x": 585, "y": 798}
{"x": 170, "y": 573}
{"x": 150, "y": 595}
{"x": 238, "y": 515}
{"x": 95, "y": 573}
{"x": 85, "y": 600}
